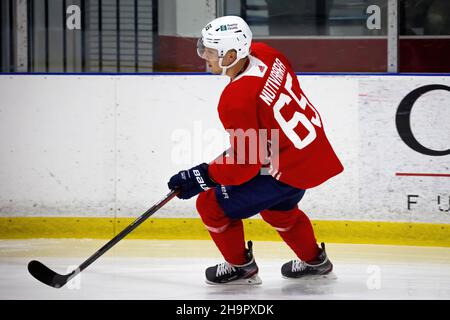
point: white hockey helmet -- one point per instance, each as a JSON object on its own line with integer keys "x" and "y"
{"x": 224, "y": 34}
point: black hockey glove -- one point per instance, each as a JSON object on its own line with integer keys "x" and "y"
{"x": 191, "y": 182}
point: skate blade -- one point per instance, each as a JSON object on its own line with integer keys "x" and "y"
{"x": 255, "y": 280}
{"x": 328, "y": 276}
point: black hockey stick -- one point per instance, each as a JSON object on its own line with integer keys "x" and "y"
{"x": 55, "y": 280}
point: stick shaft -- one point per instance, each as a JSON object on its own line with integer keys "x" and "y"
{"x": 124, "y": 233}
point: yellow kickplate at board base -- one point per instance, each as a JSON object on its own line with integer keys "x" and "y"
{"x": 372, "y": 232}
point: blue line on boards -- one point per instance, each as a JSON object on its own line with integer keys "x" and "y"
{"x": 207, "y": 74}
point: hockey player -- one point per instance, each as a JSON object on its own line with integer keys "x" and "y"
{"x": 263, "y": 96}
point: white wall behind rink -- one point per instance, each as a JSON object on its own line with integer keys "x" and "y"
{"x": 106, "y": 145}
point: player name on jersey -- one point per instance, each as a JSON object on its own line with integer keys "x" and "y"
{"x": 273, "y": 82}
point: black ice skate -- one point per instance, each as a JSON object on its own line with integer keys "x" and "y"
{"x": 226, "y": 273}
{"x": 298, "y": 269}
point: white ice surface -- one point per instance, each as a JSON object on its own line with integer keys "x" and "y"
{"x": 174, "y": 270}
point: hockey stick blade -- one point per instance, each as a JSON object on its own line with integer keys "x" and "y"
{"x": 48, "y": 276}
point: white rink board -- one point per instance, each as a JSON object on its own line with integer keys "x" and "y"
{"x": 57, "y": 145}
{"x": 383, "y": 154}
{"x": 106, "y": 145}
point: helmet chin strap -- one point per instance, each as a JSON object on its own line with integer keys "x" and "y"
{"x": 225, "y": 68}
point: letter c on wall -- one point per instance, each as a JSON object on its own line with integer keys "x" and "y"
{"x": 403, "y": 120}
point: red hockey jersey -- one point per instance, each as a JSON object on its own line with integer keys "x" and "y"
{"x": 266, "y": 99}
